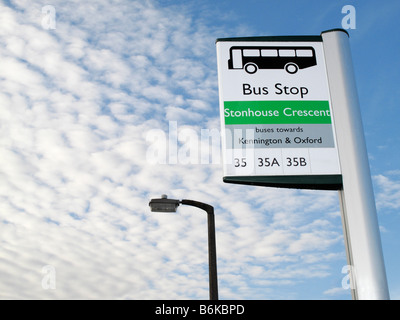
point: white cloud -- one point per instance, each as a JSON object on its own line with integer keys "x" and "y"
{"x": 76, "y": 105}
{"x": 335, "y": 291}
{"x": 388, "y": 195}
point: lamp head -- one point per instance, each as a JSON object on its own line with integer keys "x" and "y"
{"x": 163, "y": 204}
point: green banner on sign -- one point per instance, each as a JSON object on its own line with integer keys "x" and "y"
{"x": 277, "y": 112}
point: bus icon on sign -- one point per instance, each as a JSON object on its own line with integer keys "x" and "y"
{"x": 289, "y": 58}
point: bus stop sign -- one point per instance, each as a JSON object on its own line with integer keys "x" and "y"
{"x": 276, "y": 117}
{"x": 280, "y": 99}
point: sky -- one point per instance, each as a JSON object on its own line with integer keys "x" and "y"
{"x": 105, "y": 105}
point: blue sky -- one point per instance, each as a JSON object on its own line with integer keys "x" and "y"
{"x": 87, "y": 113}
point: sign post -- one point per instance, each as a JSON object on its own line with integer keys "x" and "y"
{"x": 290, "y": 118}
{"x": 360, "y": 224}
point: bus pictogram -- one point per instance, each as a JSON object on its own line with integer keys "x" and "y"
{"x": 291, "y": 59}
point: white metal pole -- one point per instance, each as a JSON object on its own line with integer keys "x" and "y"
{"x": 360, "y": 223}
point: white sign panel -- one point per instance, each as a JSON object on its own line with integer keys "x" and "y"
{"x": 276, "y": 113}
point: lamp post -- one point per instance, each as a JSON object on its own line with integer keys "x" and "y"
{"x": 170, "y": 205}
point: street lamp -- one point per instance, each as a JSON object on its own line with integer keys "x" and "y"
{"x": 170, "y": 205}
